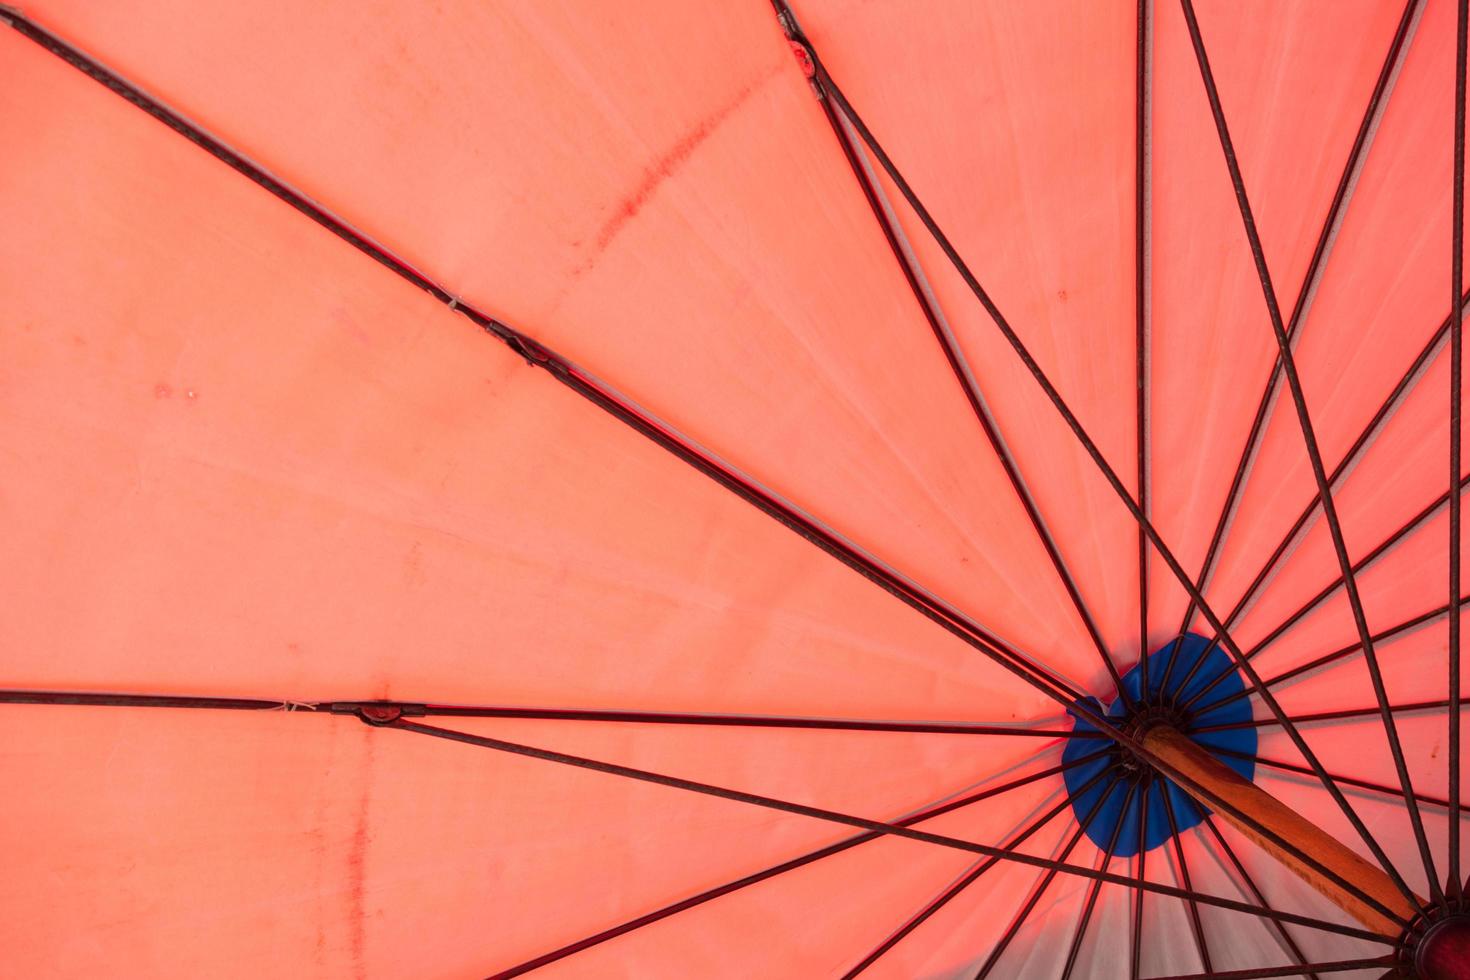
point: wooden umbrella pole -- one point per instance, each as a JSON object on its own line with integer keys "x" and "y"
{"x": 1179, "y": 751}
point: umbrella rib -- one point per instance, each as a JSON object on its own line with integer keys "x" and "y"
{"x": 1142, "y": 270}
{"x": 1019, "y": 921}
{"x": 421, "y": 709}
{"x": 1196, "y": 925}
{"x": 1250, "y": 884}
{"x": 955, "y": 357}
{"x": 1383, "y": 548}
{"x": 878, "y": 826}
{"x": 1317, "y": 716}
{"x": 1096, "y": 886}
{"x": 811, "y": 857}
{"x": 1457, "y": 286}
{"x": 1336, "y": 966}
{"x": 1335, "y": 656}
{"x": 1105, "y": 468}
{"x": 1345, "y": 780}
{"x": 1309, "y": 438}
{"x": 1135, "y": 961}
{"x": 538, "y": 355}
{"x": 127, "y": 700}
{"x": 747, "y": 721}
{"x": 1350, "y": 458}
{"x": 1316, "y": 268}
{"x": 969, "y": 878}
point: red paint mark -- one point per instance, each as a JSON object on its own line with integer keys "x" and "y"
{"x": 662, "y": 169}
{"x": 804, "y": 59}
{"x": 413, "y": 565}
{"x": 356, "y": 911}
{"x": 162, "y": 390}
{"x": 357, "y": 867}
{"x": 354, "y": 329}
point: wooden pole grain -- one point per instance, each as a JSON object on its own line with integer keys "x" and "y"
{"x": 1199, "y": 765}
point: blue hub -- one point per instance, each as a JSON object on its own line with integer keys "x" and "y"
{"x": 1196, "y": 665}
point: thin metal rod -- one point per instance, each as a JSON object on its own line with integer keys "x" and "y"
{"x": 1457, "y": 285}
{"x": 1019, "y": 921}
{"x": 112, "y": 700}
{"x": 748, "y": 721}
{"x": 1316, "y": 716}
{"x": 863, "y": 823}
{"x": 1382, "y": 548}
{"x": 1262, "y": 973}
{"x": 547, "y": 714}
{"x": 1250, "y": 884}
{"x": 970, "y": 877}
{"x": 958, "y": 364}
{"x": 1345, "y": 780}
{"x": 1072, "y": 422}
{"x": 1135, "y": 960}
{"x": 1196, "y": 925}
{"x": 1096, "y": 887}
{"x": 1386, "y": 410}
{"x": 783, "y": 867}
{"x": 1315, "y": 268}
{"x": 1142, "y": 158}
{"x": 1309, "y": 438}
{"x": 1335, "y": 656}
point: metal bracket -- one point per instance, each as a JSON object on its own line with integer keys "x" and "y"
{"x": 379, "y": 713}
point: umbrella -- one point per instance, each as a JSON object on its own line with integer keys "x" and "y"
{"x": 721, "y": 489}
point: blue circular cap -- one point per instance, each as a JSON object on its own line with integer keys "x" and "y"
{"x": 1197, "y": 665}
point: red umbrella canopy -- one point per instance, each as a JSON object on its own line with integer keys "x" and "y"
{"x": 872, "y": 488}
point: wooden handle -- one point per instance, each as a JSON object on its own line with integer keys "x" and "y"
{"x": 1195, "y": 762}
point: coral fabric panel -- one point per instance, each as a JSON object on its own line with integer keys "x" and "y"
{"x": 651, "y": 190}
